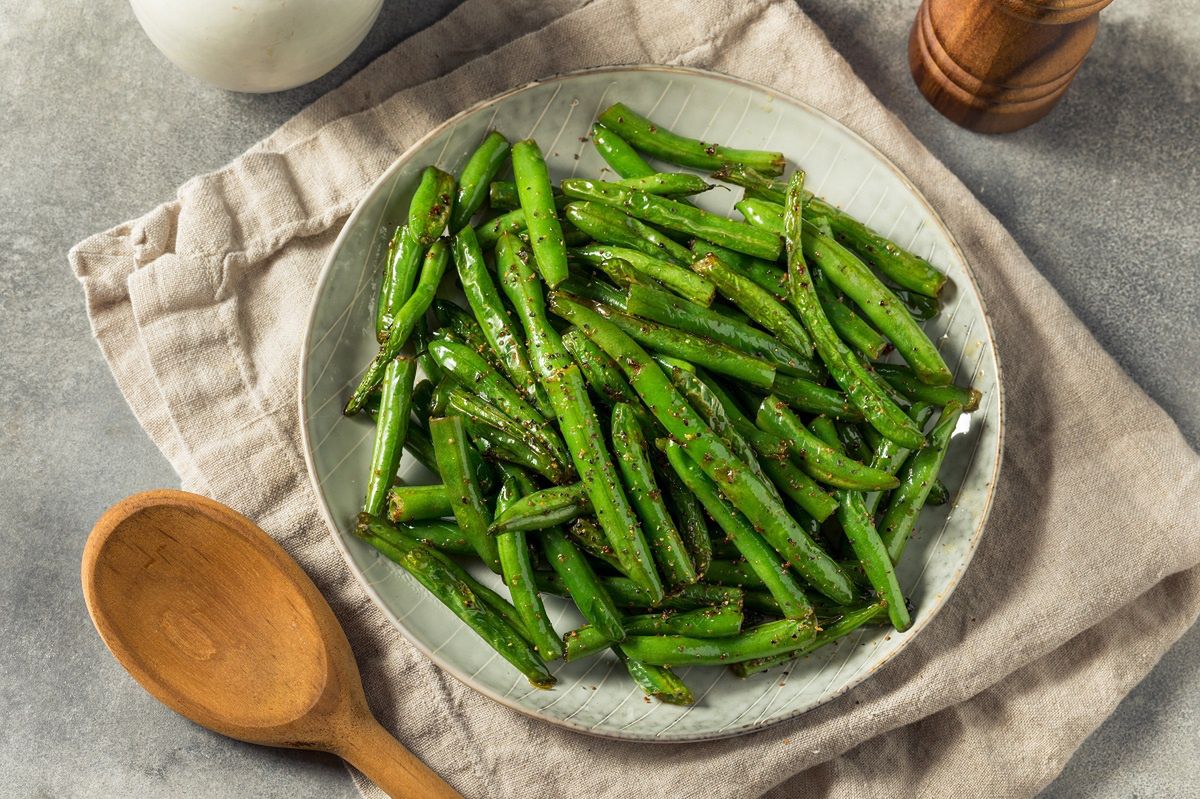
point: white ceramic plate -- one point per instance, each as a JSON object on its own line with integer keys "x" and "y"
{"x": 596, "y": 696}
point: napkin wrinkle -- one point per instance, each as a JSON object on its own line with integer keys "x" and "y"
{"x": 199, "y": 309}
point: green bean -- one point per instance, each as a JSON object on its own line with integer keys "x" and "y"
{"x": 765, "y": 640}
{"x": 762, "y": 214}
{"x": 422, "y": 402}
{"x": 674, "y": 215}
{"x": 577, "y": 419}
{"x": 773, "y": 452}
{"x": 577, "y": 580}
{"x": 848, "y": 623}
{"x": 702, "y": 352}
{"x": 472, "y": 371}
{"x": 700, "y": 623}
{"x": 658, "y": 306}
{"x": 538, "y": 510}
{"x": 403, "y": 260}
{"x": 656, "y": 681}
{"x": 420, "y": 447}
{"x": 756, "y": 302}
{"x": 450, "y": 447}
{"x": 587, "y": 534}
{"x": 417, "y": 503}
{"x": 517, "y": 570}
{"x": 493, "y": 318}
{"x": 521, "y": 285}
{"x": 877, "y": 303}
{"x": 626, "y": 594}
{"x": 890, "y": 456}
{"x": 898, "y": 265}
{"x": 848, "y": 372}
{"x": 765, "y": 274}
{"x": 809, "y": 397}
{"x": 670, "y": 184}
{"x": 741, "y": 574}
{"x": 916, "y": 479}
{"x": 429, "y": 210}
{"x": 481, "y": 167}
{"x": 679, "y": 279}
{"x": 597, "y": 289}
{"x": 489, "y": 232}
{"x": 406, "y": 318}
{"x": 617, "y": 153}
{"x": 864, "y": 539}
{"x": 921, "y": 307}
{"x": 853, "y": 442}
{"x": 818, "y": 458}
{"x": 762, "y": 559}
{"x": 706, "y": 403}
{"x": 441, "y": 534}
{"x": 689, "y": 519}
{"x": 456, "y": 323}
{"x": 938, "y": 494}
{"x": 662, "y": 143}
{"x": 846, "y": 323}
{"x": 390, "y": 430}
{"x": 454, "y": 588}
{"x": 609, "y": 225}
{"x": 502, "y": 196}
{"x": 502, "y": 447}
{"x": 637, "y": 473}
{"x": 602, "y": 375}
{"x": 541, "y": 217}
{"x": 682, "y": 423}
{"x": 421, "y": 338}
{"x": 906, "y": 382}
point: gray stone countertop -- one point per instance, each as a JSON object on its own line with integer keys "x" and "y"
{"x": 97, "y": 127}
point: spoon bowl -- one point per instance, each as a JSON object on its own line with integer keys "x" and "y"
{"x": 218, "y": 623}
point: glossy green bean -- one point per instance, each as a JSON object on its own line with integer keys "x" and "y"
{"x": 689, "y": 519}
{"x": 450, "y": 446}
{"x": 763, "y": 560}
{"x": 586, "y": 532}
{"x": 846, "y": 624}
{"x": 765, "y": 640}
{"x": 617, "y": 153}
{"x": 916, "y": 479}
{"x": 756, "y": 302}
{"x": 476, "y": 177}
{"x": 848, "y": 372}
{"x": 454, "y": 588}
{"x": 626, "y": 594}
{"x": 417, "y": 503}
{"x": 497, "y": 327}
{"x": 632, "y": 456}
{"x": 500, "y": 446}
{"x": 441, "y": 534}
{"x": 391, "y": 426}
{"x": 656, "y": 681}
{"x": 472, "y": 371}
{"x": 655, "y": 305}
{"x": 681, "y": 217}
{"x": 720, "y": 622}
{"x": 403, "y": 262}
{"x": 679, "y": 279}
{"x": 906, "y": 382}
{"x": 432, "y": 269}
{"x": 761, "y": 214}
{"x": 889, "y": 456}
{"x": 662, "y": 143}
{"x": 819, "y": 459}
{"x": 538, "y": 510}
{"x": 846, "y": 323}
{"x": 429, "y": 210}
{"x": 541, "y": 217}
{"x": 602, "y": 374}
{"x": 810, "y": 397}
{"x": 516, "y": 567}
{"x": 609, "y": 225}
{"x": 577, "y": 580}
{"x": 681, "y": 422}
{"x": 877, "y": 302}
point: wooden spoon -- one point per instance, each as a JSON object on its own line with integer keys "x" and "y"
{"x": 218, "y": 623}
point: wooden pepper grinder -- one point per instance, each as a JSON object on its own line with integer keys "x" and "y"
{"x": 998, "y": 65}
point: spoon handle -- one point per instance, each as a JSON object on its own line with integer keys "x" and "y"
{"x": 386, "y": 762}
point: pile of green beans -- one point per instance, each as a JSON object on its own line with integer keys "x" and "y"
{"x": 673, "y": 418}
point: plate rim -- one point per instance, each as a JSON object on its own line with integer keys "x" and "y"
{"x": 333, "y": 528}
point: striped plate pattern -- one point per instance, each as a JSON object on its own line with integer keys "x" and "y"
{"x": 596, "y": 696}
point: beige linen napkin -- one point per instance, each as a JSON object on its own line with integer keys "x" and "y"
{"x": 1086, "y": 574}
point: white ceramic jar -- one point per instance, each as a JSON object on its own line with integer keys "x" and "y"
{"x": 256, "y": 45}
